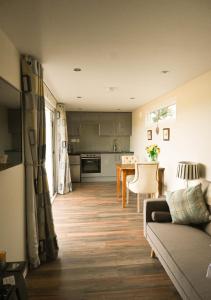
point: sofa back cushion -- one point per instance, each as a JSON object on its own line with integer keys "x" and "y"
{"x": 188, "y": 206}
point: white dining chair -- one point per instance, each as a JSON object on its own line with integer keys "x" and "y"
{"x": 129, "y": 159}
{"x": 145, "y": 181}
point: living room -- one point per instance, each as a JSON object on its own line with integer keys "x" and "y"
{"x": 136, "y": 58}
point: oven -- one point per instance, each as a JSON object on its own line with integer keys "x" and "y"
{"x": 90, "y": 163}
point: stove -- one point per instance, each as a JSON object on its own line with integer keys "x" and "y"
{"x": 90, "y": 163}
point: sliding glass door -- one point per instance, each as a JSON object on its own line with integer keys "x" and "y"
{"x": 50, "y": 151}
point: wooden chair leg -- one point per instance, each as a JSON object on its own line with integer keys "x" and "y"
{"x": 138, "y": 203}
{"x": 152, "y": 254}
{"x": 128, "y": 191}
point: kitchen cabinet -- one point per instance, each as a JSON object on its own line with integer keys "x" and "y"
{"x": 107, "y": 128}
{"x": 115, "y": 124}
{"x": 75, "y": 167}
{"x": 73, "y": 123}
{"x": 110, "y": 123}
{"x": 108, "y": 163}
{"x": 124, "y": 124}
{"x": 107, "y": 124}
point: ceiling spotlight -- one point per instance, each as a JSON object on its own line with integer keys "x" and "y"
{"x": 112, "y": 88}
{"x": 77, "y": 69}
{"x": 165, "y": 71}
{"x": 132, "y": 98}
{"x": 79, "y": 97}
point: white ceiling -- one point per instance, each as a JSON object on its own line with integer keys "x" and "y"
{"x": 117, "y": 43}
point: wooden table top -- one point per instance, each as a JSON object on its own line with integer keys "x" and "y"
{"x": 130, "y": 166}
{"x": 126, "y": 166}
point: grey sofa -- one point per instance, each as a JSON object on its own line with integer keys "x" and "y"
{"x": 184, "y": 251}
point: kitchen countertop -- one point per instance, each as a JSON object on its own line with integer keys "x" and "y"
{"x": 99, "y": 152}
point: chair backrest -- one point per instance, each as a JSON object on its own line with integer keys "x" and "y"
{"x": 129, "y": 159}
{"x": 146, "y": 178}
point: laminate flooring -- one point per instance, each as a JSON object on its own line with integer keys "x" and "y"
{"x": 103, "y": 253}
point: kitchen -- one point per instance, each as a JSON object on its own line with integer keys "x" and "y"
{"x": 97, "y": 140}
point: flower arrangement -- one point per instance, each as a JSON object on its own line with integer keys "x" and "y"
{"x": 153, "y": 152}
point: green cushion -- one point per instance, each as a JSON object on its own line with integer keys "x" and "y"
{"x": 188, "y": 206}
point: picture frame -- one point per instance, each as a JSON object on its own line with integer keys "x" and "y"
{"x": 166, "y": 134}
{"x": 149, "y": 135}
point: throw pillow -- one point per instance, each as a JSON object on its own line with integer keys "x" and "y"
{"x": 161, "y": 216}
{"x": 188, "y": 206}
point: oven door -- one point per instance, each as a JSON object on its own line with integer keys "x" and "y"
{"x": 90, "y": 165}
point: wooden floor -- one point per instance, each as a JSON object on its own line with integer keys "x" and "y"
{"x": 103, "y": 254}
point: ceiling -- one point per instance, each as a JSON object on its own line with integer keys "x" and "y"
{"x": 121, "y": 47}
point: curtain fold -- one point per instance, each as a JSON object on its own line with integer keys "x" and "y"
{"x": 41, "y": 238}
{"x": 64, "y": 184}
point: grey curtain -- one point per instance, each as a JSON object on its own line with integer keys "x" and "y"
{"x": 41, "y": 238}
{"x": 63, "y": 172}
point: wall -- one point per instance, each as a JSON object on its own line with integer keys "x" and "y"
{"x": 12, "y": 227}
{"x": 190, "y": 133}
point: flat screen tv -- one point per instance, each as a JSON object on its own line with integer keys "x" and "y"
{"x": 10, "y": 126}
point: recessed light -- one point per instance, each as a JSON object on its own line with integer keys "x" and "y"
{"x": 112, "y": 88}
{"x": 165, "y": 71}
{"x": 77, "y": 69}
{"x": 79, "y": 97}
{"x": 132, "y": 98}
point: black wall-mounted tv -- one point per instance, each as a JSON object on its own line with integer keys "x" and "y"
{"x": 10, "y": 126}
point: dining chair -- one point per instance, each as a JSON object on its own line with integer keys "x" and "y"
{"x": 129, "y": 159}
{"x": 145, "y": 181}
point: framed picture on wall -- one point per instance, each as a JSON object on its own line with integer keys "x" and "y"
{"x": 149, "y": 134}
{"x": 166, "y": 134}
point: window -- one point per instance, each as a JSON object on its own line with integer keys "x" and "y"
{"x": 161, "y": 114}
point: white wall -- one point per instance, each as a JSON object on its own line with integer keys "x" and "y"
{"x": 12, "y": 220}
{"x": 190, "y": 133}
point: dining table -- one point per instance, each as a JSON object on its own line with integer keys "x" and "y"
{"x": 129, "y": 169}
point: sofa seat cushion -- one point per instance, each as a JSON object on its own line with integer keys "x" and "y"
{"x": 185, "y": 253}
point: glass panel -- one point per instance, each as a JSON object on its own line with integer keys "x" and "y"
{"x": 49, "y": 151}
{"x": 164, "y": 113}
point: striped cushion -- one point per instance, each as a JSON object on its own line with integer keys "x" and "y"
{"x": 188, "y": 206}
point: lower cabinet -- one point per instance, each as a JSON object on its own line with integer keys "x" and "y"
{"x": 108, "y": 164}
{"x": 108, "y": 168}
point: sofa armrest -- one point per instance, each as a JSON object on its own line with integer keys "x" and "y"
{"x": 151, "y": 205}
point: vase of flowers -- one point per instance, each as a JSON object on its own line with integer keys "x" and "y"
{"x": 152, "y": 152}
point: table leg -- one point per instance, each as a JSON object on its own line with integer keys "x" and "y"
{"x": 118, "y": 175}
{"x": 124, "y": 175}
